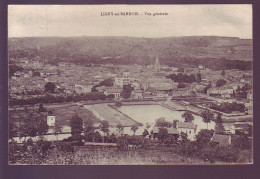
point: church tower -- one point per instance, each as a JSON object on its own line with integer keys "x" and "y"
{"x": 157, "y": 64}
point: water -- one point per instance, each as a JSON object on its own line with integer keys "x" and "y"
{"x": 149, "y": 113}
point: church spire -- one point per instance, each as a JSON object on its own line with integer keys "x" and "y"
{"x": 157, "y": 63}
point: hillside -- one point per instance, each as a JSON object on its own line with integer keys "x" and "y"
{"x": 130, "y": 50}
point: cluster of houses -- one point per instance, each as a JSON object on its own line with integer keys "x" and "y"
{"x": 188, "y": 128}
{"x": 149, "y": 83}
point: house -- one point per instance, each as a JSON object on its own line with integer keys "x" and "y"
{"x": 223, "y": 91}
{"x": 243, "y": 128}
{"x": 250, "y": 95}
{"x": 181, "y": 92}
{"x": 83, "y": 88}
{"x": 171, "y": 131}
{"x": 158, "y": 84}
{"x": 201, "y": 67}
{"x": 229, "y": 128}
{"x": 187, "y": 127}
{"x": 114, "y": 91}
{"x": 221, "y": 139}
{"x": 121, "y": 81}
{"x": 137, "y": 94}
{"x": 51, "y": 120}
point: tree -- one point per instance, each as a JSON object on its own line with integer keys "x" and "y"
{"x": 33, "y": 126}
{"x": 13, "y": 130}
{"x": 42, "y": 127}
{"x": 97, "y": 137}
{"x": 126, "y": 93}
{"x": 181, "y": 85}
{"x": 104, "y": 126}
{"x": 134, "y": 128}
{"x": 161, "y": 122}
{"x": 198, "y": 77}
{"x": 57, "y": 129}
{"x": 49, "y": 87}
{"x": 241, "y": 142}
{"x": 219, "y": 128}
{"x": 187, "y": 116}
{"x": 162, "y": 134}
{"x": 107, "y": 82}
{"x": 120, "y": 128}
{"x": 184, "y": 137}
{"x": 76, "y": 124}
{"x": 36, "y": 73}
{"x": 174, "y": 123}
{"x": 111, "y": 96}
{"x": 89, "y": 130}
{"x": 145, "y": 133}
{"x": 220, "y": 82}
{"x": 207, "y": 116}
{"x": 206, "y": 88}
{"x": 41, "y": 108}
{"x": 204, "y": 137}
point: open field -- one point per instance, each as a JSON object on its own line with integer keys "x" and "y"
{"x": 93, "y": 155}
{"x": 111, "y": 114}
{"x": 62, "y": 112}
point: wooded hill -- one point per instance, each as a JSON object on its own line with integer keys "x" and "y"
{"x": 173, "y": 51}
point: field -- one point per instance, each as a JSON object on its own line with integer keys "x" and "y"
{"x": 112, "y": 115}
{"x": 63, "y": 113}
{"x": 92, "y": 155}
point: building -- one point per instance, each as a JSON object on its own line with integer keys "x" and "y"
{"x": 223, "y": 91}
{"x": 181, "y": 92}
{"x": 187, "y": 127}
{"x": 221, "y": 139}
{"x": 126, "y": 74}
{"x": 201, "y": 67}
{"x": 229, "y": 128}
{"x": 83, "y": 88}
{"x": 121, "y": 81}
{"x": 250, "y": 95}
{"x": 137, "y": 94}
{"x": 51, "y": 120}
{"x": 171, "y": 131}
{"x": 159, "y": 84}
{"x": 114, "y": 91}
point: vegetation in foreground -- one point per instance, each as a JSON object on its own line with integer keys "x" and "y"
{"x": 125, "y": 149}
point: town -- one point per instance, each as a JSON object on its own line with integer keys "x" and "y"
{"x": 130, "y": 107}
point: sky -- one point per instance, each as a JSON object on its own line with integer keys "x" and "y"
{"x": 86, "y": 20}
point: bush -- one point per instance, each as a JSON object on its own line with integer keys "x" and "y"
{"x": 228, "y": 154}
{"x": 245, "y": 156}
{"x": 74, "y": 138}
{"x": 44, "y": 146}
{"x": 64, "y": 147}
{"x": 135, "y": 140}
{"x": 97, "y": 137}
{"x": 122, "y": 143}
{"x": 112, "y": 138}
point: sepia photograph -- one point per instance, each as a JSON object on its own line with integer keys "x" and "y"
{"x": 130, "y": 84}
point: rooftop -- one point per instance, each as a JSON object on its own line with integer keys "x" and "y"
{"x": 170, "y": 130}
{"x": 221, "y": 139}
{"x": 187, "y": 125}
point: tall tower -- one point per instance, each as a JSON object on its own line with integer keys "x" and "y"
{"x": 157, "y": 64}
